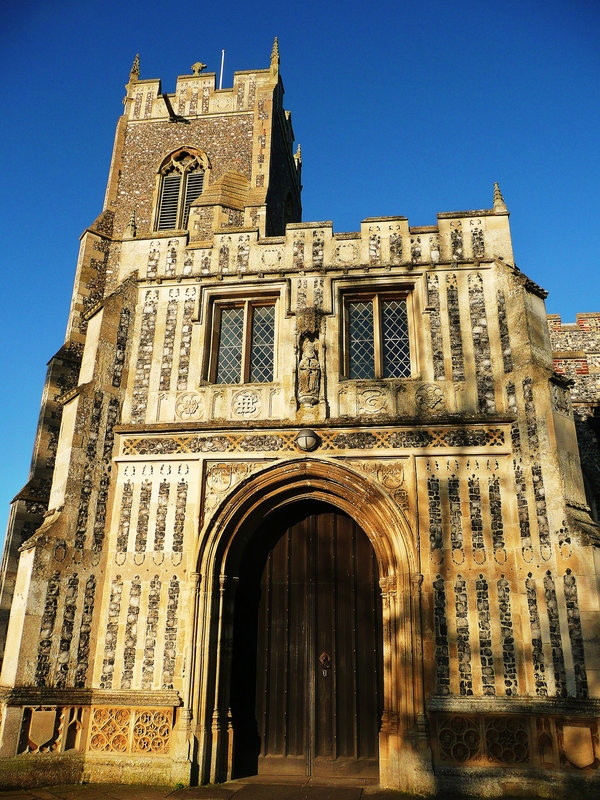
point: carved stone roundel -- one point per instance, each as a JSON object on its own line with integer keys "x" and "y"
{"x": 346, "y": 253}
{"x": 188, "y": 406}
{"x": 270, "y": 257}
{"x": 430, "y": 397}
{"x": 246, "y": 404}
{"x": 371, "y": 400}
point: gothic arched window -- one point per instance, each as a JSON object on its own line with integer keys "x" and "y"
{"x": 181, "y": 181}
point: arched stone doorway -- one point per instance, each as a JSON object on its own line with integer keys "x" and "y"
{"x": 220, "y": 565}
{"x": 306, "y": 674}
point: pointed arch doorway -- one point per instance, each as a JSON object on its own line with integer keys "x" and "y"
{"x": 306, "y": 678}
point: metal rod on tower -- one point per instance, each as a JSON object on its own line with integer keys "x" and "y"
{"x": 221, "y": 75}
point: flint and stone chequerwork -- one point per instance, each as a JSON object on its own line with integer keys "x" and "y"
{"x": 169, "y": 429}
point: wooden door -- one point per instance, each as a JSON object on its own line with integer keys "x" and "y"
{"x": 309, "y": 617}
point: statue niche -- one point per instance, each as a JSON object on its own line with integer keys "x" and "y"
{"x": 309, "y": 372}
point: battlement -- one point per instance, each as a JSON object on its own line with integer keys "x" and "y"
{"x": 386, "y": 242}
{"x": 197, "y": 95}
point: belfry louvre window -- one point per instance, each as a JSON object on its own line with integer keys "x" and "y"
{"x": 244, "y": 343}
{"x": 181, "y": 183}
{"x": 376, "y": 337}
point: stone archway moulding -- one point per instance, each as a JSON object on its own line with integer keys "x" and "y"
{"x": 219, "y": 555}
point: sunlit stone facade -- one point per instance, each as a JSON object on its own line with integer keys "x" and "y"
{"x": 227, "y": 365}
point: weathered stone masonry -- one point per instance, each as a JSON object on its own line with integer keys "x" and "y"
{"x": 152, "y": 481}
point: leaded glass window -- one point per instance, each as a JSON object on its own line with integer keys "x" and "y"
{"x": 245, "y": 344}
{"x": 261, "y": 348}
{"x": 377, "y": 341}
{"x": 231, "y": 342}
{"x": 362, "y": 342}
{"x": 394, "y": 339}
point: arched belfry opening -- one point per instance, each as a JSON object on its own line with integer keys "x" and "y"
{"x": 307, "y": 672}
{"x": 308, "y": 638}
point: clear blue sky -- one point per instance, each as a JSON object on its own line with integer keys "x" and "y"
{"x": 400, "y": 107}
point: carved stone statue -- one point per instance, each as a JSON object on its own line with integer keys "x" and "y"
{"x": 309, "y": 374}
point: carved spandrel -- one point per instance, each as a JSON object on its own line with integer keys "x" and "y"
{"x": 389, "y": 475}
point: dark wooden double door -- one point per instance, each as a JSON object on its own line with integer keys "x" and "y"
{"x": 307, "y": 661}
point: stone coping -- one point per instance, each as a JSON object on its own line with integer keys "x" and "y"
{"x": 51, "y": 696}
{"x": 559, "y": 706}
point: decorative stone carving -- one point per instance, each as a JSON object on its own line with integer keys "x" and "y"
{"x": 189, "y": 406}
{"x": 507, "y": 740}
{"x": 578, "y": 746}
{"x": 434, "y": 248}
{"x": 561, "y": 400}
{"x": 415, "y": 249}
{"x": 372, "y": 400}
{"x": 430, "y": 398}
{"x": 110, "y": 730}
{"x": 271, "y": 257}
{"x": 220, "y": 479}
{"x": 41, "y": 729}
{"x": 151, "y": 732}
{"x": 459, "y": 739}
{"x": 309, "y": 373}
{"x": 246, "y": 404}
{"x": 124, "y": 730}
{"x": 390, "y": 475}
{"x": 346, "y": 253}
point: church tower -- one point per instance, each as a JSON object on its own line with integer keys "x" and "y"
{"x": 301, "y": 502}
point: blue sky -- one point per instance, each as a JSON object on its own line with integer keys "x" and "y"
{"x": 400, "y": 108}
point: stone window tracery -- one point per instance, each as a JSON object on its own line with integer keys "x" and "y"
{"x": 181, "y": 182}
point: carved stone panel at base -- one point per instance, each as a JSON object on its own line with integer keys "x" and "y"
{"x": 110, "y": 730}
{"x": 484, "y": 740}
{"x": 578, "y": 742}
{"x": 151, "y": 732}
{"x": 50, "y": 729}
{"x": 459, "y": 739}
{"x": 126, "y": 730}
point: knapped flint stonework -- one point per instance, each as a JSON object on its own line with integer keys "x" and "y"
{"x": 156, "y": 483}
